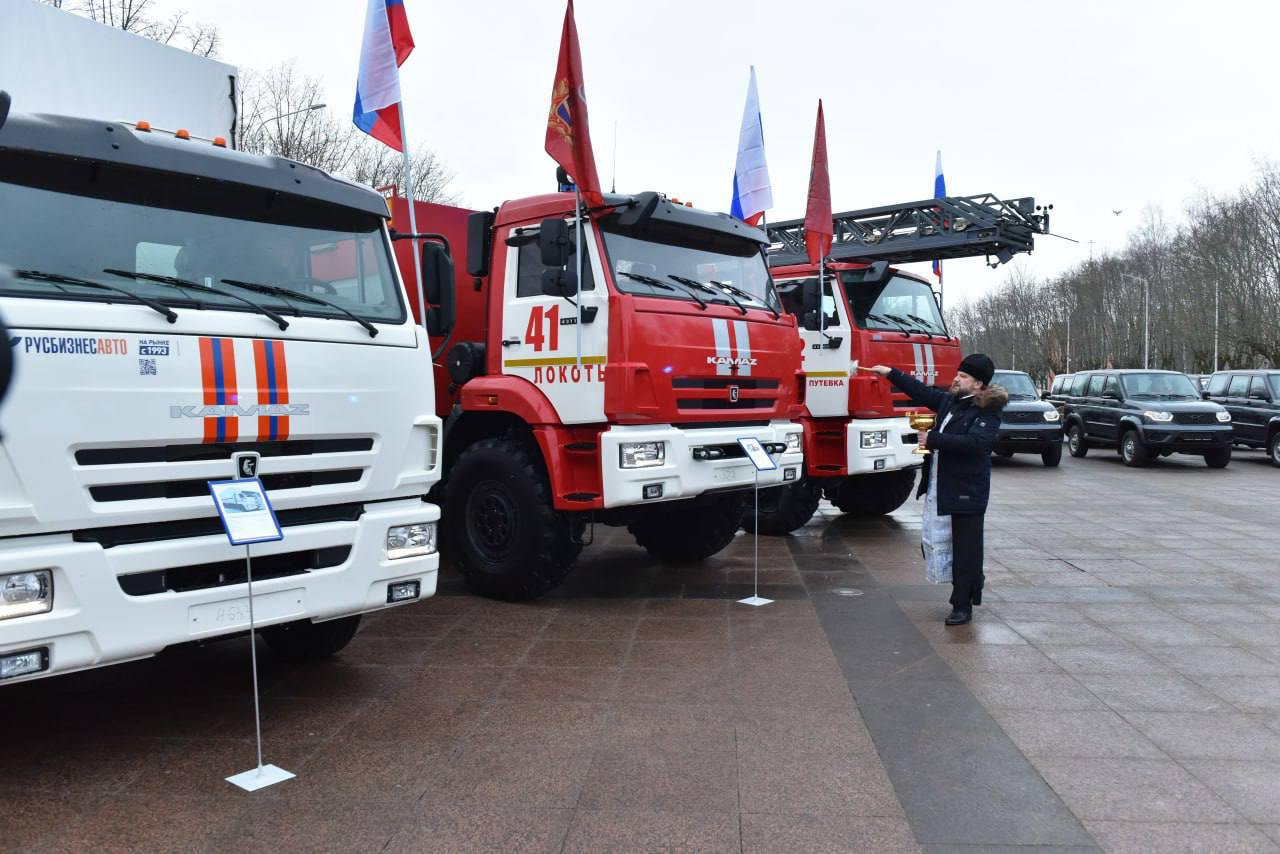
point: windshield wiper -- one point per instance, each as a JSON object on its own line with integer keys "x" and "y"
{"x": 60, "y": 279}
{"x": 286, "y": 295}
{"x": 658, "y": 283}
{"x": 901, "y": 327}
{"x": 705, "y": 288}
{"x": 925, "y": 323}
{"x": 748, "y": 295}
{"x": 903, "y": 322}
{"x": 1144, "y": 394}
{"x": 186, "y": 286}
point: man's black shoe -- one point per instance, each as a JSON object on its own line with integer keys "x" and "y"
{"x": 959, "y": 617}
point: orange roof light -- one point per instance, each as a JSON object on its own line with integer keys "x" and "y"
{"x": 143, "y": 126}
{"x": 183, "y": 133}
{"x": 220, "y": 141}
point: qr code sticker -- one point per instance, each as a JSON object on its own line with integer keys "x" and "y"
{"x": 147, "y": 367}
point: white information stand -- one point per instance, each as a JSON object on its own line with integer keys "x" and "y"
{"x": 763, "y": 462}
{"x": 248, "y": 518}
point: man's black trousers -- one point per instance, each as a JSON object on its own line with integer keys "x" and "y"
{"x": 966, "y": 558}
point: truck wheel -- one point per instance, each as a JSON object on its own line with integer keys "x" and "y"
{"x": 1273, "y": 448}
{"x": 1217, "y": 458}
{"x": 682, "y": 532}
{"x": 1052, "y": 455}
{"x": 1132, "y": 451}
{"x": 307, "y": 641}
{"x": 784, "y": 509}
{"x": 1076, "y": 441}
{"x": 873, "y": 494}
{"x": 501, "y": 530}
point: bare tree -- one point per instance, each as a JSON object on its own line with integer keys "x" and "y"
{"x": 139, "y": 17}
{"x": 277, "y": 117}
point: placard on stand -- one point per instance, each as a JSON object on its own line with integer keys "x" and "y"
{"x": 761, "y": 460}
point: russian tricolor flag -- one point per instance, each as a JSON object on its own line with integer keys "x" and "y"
{"x": 387, "y": 43}
{"x": 752, "y": 191}
{"x": 939, "y": 192}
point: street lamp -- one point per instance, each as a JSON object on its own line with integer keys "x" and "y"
{"x": 1146, "y": 317}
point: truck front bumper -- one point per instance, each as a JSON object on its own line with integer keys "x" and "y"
{"x": 1187, "y": 439}
{"x": 1028, "y": 438}
{"x": 881, "y": 444}
{"x": 696, "y": 461}
{"x": 95, "y": 622}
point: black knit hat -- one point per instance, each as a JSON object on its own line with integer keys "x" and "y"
{"x": 979, "y": 366}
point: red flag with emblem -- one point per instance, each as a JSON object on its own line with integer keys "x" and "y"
{"x": 818, "y": 229}
{"x": 568, "y": 136}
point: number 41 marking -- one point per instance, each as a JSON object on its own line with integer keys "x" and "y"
{"x": 533, "y": 334}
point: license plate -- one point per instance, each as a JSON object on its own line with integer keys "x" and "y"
{"x": 731, "y": 473}
{"x": 234, "y": 613}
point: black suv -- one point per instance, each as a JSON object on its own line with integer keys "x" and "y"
{"x": 1058, "y": 392}
{"x": 1145, "y": 414}
{"x": 1028, "y": 425}
{"x": 1253, "y": 399}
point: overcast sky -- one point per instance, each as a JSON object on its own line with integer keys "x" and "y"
{"x": 1093, "y": 106}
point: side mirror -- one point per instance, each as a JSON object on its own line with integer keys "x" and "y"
{"x": 554, "y": 243}
{"x": 810, "y": 304}
{"x": 559, "y": 282}
{"x": 4, "y": 107}
{"x": 479, "y": 243}
{"x": 437, "y": 281}
{"x": 6, "y": 347}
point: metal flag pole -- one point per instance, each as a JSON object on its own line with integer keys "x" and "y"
{"x": 577, "y": 221}
{"x": 413, "y": 217}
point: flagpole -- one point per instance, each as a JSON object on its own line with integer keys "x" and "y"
{"x": 413, "y": 219}
{"x": 577, "y": 221}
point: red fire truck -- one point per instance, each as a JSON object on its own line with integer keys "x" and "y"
{"x": 616, "y": 398}
{"x": 857, "y": 442}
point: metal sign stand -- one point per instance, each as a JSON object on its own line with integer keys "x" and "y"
{"x": 248, "y": 518}
{"x": 754, "y": 451}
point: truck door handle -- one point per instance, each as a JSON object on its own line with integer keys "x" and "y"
{"x": 507, "y": 342}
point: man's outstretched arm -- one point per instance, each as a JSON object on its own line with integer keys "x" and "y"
{"x": 918, "y": 392}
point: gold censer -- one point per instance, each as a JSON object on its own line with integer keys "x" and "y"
{"x": 921, "y": 421}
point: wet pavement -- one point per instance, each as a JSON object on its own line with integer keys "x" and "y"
{"x": 1119, "y": 690}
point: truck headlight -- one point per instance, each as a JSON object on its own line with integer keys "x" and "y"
{"x": 642, "y": 455}
{"x": 793, "y": 441}
{"x": 1224, "y": 416}
{"x": 1052, "y": 415}
{"x": 874, "y": 439}
{"x": 1158, "y": 416}
{"x": 411, "y": 540}
{"x": 25, "y": 593}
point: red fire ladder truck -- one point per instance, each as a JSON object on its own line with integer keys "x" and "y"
{"x": 857, "y": 442}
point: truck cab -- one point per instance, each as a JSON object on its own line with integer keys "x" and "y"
{"x": 618, "y": 397}
{"x": 174, "y": 304}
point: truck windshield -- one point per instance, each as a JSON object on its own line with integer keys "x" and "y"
{"x": 689, "y": 264}
{"x": 894, "y": 303}
{"x": 1163, "y": 386}
{"x": 1019, "y": 386}
{"x": 168, "y": 226}
{"x": 1275, "y": 386}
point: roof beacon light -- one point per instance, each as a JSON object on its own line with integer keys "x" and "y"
{"x": 220, "y": 141}
{"x": 183, "y": 133}
{"x": 143, "y": 126}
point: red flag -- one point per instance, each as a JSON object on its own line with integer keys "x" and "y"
{"x": 568, "y": 136}
{"x": 817, "y": 215}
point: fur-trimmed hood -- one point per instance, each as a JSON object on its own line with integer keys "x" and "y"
{"x": 992, "y": 397}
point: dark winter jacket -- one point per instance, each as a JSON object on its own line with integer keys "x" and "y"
{"x": 965, "y": 445}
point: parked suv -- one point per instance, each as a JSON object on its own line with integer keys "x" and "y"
{"x": 1145, "y": 414}
{"x": 1058, "y": 392}
{"x": 1028, "y": 425}
{"x": 1253, "y": 399}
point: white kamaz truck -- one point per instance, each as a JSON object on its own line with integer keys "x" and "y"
{"x": 173, "y": 303}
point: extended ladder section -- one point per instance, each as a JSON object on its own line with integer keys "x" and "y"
{"x": 952, "y": 227}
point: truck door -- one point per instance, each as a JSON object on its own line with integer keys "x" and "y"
{"x": 540, "y": 332}
{"x": 1237, "y": 403}
{"x": 1110, "y": 411}
{"x": 827, "y": 353}
{"x": 1255, "y": 415}
{"x": 1092, "y": 407}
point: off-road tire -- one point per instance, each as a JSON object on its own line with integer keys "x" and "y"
{"x": 1218, "y": 458}
{"x": 501, "y": 529}
{"x": 1052, "y": 455}
{"x": 307, "y": 641}
{"x": 784, "y": 509}
{"x": 1132, "y": 452}
{"x": 1076, "y": 441}
{"x": 682, "y": 532}
{"x": 1273, "y": 448}
{"x": 876, "y": 494}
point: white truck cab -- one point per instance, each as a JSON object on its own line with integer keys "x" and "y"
{"x": 172, "y": 303}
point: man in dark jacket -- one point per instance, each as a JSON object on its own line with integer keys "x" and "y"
{"x": 968, "y": 420}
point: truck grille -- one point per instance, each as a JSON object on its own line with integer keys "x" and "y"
{"x": 193, "y": 488}
{"x": 188, "y": 452}
{"x": 1023, "y": 417}
{"x": 1194, "y": 418}
{"x": 180, "y": 529}
{"x": 718, "y": 393}
{"x": 223, "y": 573}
